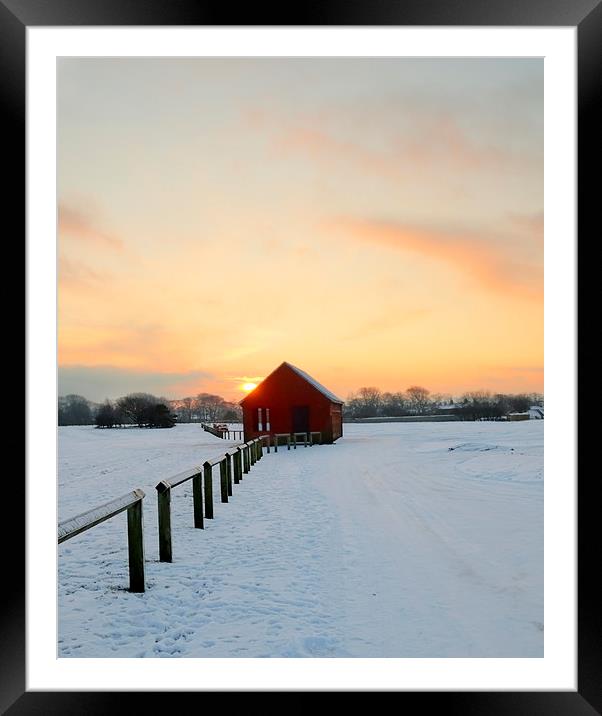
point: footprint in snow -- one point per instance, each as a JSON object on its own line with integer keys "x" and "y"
{"x": 319, "y": 645}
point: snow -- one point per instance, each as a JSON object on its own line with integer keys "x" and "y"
{"x": 400, "y": 540}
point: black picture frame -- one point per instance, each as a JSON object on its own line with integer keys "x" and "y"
{"x": 17, "y": 15}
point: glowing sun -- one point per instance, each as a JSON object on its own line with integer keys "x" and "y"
{"x": 248, "y": 387}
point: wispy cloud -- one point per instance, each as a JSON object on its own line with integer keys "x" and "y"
{"x": 432, "y": 143}
{"x": 80, "y": 225}
{"x": 322, "y": 146}
{"x": 441, "y": 139}
{"x": 483, "y": 259}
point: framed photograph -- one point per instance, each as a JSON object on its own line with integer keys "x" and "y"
{"x": 383, "y": 191}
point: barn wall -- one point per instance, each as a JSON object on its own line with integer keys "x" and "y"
{"x": 282, "y": 390}
{"x": 336, "y": 420}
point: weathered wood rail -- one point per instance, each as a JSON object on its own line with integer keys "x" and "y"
{"x": 132, "y": 502}
{"x": 232, "y": 465}
{"x": 164, "y": 489}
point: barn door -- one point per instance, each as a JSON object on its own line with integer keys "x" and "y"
{"x": 301, "y": 418}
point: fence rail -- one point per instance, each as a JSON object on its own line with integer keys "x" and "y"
{"x": 132, "y": 502}
{"x": 232, "y": 464}
{"x": 223, "y": 431}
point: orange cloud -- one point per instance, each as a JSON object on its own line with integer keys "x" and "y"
{"x": 480, "y": 258}
{"x": 424, "y": 142}
{"x": 77, "y": 224}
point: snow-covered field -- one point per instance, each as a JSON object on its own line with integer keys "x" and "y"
{"x": 401, "y": 540}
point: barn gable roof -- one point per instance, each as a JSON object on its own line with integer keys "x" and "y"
{"x": 312, "y": 381}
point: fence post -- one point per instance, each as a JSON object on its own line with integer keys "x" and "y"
{"x": 197, "y": 499}
{"x": 236, "y": 466}
{"x": 246, "y": 459}
{"x": 207, "y": 472}
{"x": 164, "y": 513}
{"x": 136, "y": 547}
{"x": 229, "y": 473}
{"x": 275, "y": 443}
{"x": 223, "y": 479}
{"x": 252, "y": 453}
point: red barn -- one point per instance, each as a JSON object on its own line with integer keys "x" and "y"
{"x": 291, "y": 401}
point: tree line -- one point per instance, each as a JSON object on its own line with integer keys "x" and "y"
{"x": 371, "y": 402}
{"x": 141, "y": 409}
{"x": 146, "y": 410}
{"x": 206, "y": 408}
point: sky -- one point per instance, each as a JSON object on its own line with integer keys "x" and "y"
{"x": 373, "y": 221}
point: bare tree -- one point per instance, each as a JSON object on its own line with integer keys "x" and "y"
{"x": 369, "y": 400}
{"x": 418, "y": 398}
{"x": 520, "y": 403}
{"x": 185, "y": 404}
{"x": 74, "y": 410}
{"x": 209, "y": 406}
{"x": 183, "y": 408}
{"x": 232, "y": 412}
{"x": 393, "y": 404}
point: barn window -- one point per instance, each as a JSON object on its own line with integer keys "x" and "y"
{"x": 261, "y": 419}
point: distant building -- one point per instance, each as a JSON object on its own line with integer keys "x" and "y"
{"x": 291, "y": 401}
{"x": 536, "y": 412}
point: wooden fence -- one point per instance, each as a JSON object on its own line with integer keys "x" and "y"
{"x": 132, "y": 502}
{"x": 233, "y": 464}
{"x": 223, "y": 431}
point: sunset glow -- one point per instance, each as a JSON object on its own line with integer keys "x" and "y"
{"x": 372, "y": 221}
